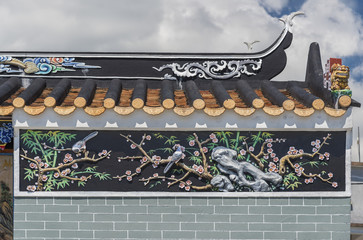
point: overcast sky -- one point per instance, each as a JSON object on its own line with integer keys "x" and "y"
{"x": 189, "y": 26}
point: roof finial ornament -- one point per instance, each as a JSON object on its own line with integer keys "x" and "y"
{"x": 249, "y": 44}
{"x": 288, "y": 19}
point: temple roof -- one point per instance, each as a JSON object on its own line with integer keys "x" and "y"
{"x": 157, "y": 82}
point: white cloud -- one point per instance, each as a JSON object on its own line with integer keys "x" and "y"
{"x": 274, "y": 5}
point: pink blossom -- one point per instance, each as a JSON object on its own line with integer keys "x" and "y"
{"x": 33, "y": 165}
{"x": 326, "y": 154}
{"x": 276, "y": 159}
{"x": 44, "y": 178}
{"x": 128, "y": 172}
{"x": 196, "y": 153}
{"x": 181, "y": 185}
{"x": 334, "y": 184}
{"x": 251, "y": 148}
{"x": 307, "y": 181}
{"x": 144, "y": 159}
{"x": 269, "y": 145}
{"x": 270, "y": 150}
{"x": 133, "y": 146}
{"x": 200, "y": 170}
{"x": 56, "y": 175}
{"x": 273, "y": 155}
{"x": 187, "y": 188}
{"x": 195, "y": 167}
{"x": 215, "y": 140}
{"x": 83, "y": 178}
{"x": 242, "y": 152}
{"x": 265, "y": 157}
{"x": 313, "y": 143}
{"x": 129, "y": 178}
{"x": 155, "y": 175}
{"x": 212, "y": 136}
{"x": 75, "y": 165}
{"x": 148, "y": 137}
{"x": 330, "y": 175}
{"x": 189, "y": 182}
{"x": 317, "y": 141}
{"x": 205, "y": 150}
{"x": 296, "y": 165}
{"x": 138, "y": 170}
{"x": 191, "y": 143}
{"x": 315, "y": 150}
{"x": 321, "y": 156}
{"x": 291, "y": 148}
{"x": 31, "y": 188}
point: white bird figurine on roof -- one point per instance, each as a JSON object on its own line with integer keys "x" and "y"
{"x": 177, "y": 155}
{"x": 249, "y": 44}
{"x": 80, "y": 146}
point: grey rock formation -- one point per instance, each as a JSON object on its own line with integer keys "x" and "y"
{"x": 236, "y": 171}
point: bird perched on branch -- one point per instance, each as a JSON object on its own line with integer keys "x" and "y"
{"x": 80, "y": 146}
{"x": 177, "y": 155}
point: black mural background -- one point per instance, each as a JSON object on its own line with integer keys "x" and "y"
{"x": 108, "y": 172}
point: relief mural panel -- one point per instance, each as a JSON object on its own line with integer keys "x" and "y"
{"x": 182, "y": 161}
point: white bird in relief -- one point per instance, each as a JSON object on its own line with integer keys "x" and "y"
{"x": 249, "y": 44}
{"x": 80, "y": 146}
{"x": 177, "y": 155}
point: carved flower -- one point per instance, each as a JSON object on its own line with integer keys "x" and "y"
{"x": 291, "y": 148}
{"x": 46, "y": 165}
{"x": 317, "y": 141}
{"x": 103, "y": 153}
{"x": 83, "y": 178}
{"x": 195, "y": 167}
{"x": 200, "y": 170}
{"x": 334, "y": 184}
{"x": 31, "y": 188}
{"x": 133, "y": 146}
{"x": 44, "y": 178}
{"x": 251, "y": 149}
{"x": 326, "y": 154}
{"x": 306, "y": 181}
{"x": 181, "y": 185}
{"x": 215, "y": 140}
{"x": 269, "y": 145}
{"x": 270, "y": 150}
{"x": 196, "y": 153}
{"x": 276, "y": 159}
{"x": 56, "y": 175}
{"x": 313, "y": 143}
{"x": 301, "y": 151}
{"x": 191, "y": 143}
{"x": 68, "y": 156}
{"x": 128, "y": 172}
{"x": 205, "y": 150}
{"x": 273, "y": 155}
{"x": 315, "y": 150}
{"x": 242, "y": 152}
{"x": 38, "y": 159}
{"x": 188, "y": 182}
{"x": 155, "y": 175}
{"x": 321, "y": 156}
{"x": 187, "y": 188}
{"x": 330, "y": 175}
{"x": 129, "y": 178}
{"x": 296, "y": 165}
{"x": 33, "y": 165}
{"x": 148, "y": 137}
{"x": 75, "y": 165}
{"x": 144, "y": 159}
{"x": 138, "y": 170}
{"x": 212, "y": 136}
